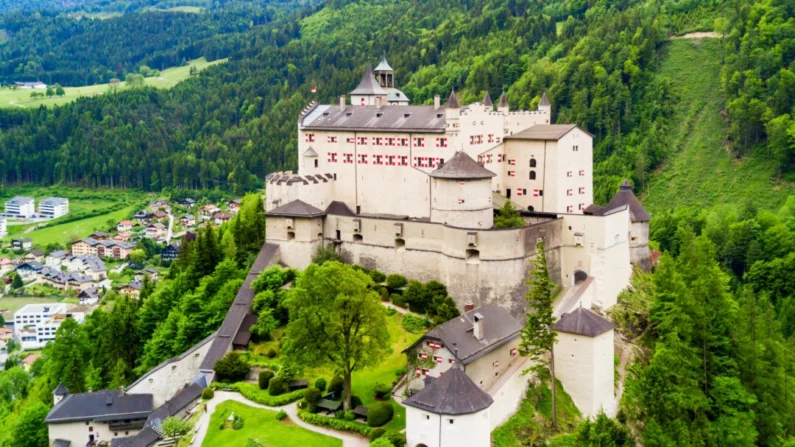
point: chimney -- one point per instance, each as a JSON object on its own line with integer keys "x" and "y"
{"x": 477, "y": 326}
{"x": 342, "y": 102}
{"x": 437, "y": 102}
{"x": 378, "y": 102}
{"x": 468, "y": 307}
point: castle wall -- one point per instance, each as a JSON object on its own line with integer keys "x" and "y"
{"x": 79, "y": 432}
{"x": 573, "y": 161}
{"x": 486, "y": 370}
{"x": 584, "y": 365}
{"x": 297, "y": 243}
{"x": 464, "y": 204}
{"x": 283, "y": 188}
{"x": 639, "y": 244}
{"x": 435, "y": 430}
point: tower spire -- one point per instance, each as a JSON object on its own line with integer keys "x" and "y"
{"x": 452, "y": 102}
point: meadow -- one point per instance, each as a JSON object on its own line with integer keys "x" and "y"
{"x": 168, "y": 78}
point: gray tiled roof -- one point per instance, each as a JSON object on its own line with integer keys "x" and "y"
{"x": 544, "y": 100}
{"x": 369, "y": 85}
{"x": 61, "y": 390}
{"x": 383, "y": 65}
{"x": 503, "y": 100}
{"x": 296, "y": 208}
{"x": 625, "y": 196}
{"x": 453, "y": 393}
{"x": 389, "y": 118}
{"x": 452, "y": 102}
{"x": 487, "y": 100}
{"x": 337, "y": 208}
{"x": 462, "y": 166}
{"x": 583, "y": 322}
{"x": 549, "y": 132}
{"x": 310, "y": 153}
{"x": 499, "y": 327}
{"x": 394, "y": 95}
{"x": 108, "y": 405}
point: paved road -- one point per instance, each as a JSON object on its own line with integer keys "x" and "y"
{"x": 170, "y": 227}
{"x": 348, "y": 439}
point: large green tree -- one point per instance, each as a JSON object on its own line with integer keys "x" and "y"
{"x": 336, "y": 319}
{"x": 66, "y": 356}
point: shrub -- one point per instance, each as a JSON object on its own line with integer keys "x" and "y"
{"x": 276, "y": 386}
{"x": 222, "y": 426}
{"x": 416, "y": 297}
{"x": 355, "y": 401}
{"x": 232, "y": 367}
{"x": 312, "y": 395}
{"x": 253, "y": 393}
{"x": 381, "y": 442}
{"x": 208, "y": 393}
{"x": 238, "y": 423}
{"x": 377, "y": 433}
{"x": 382, "y": 390}
{"x": 281, "y": 415}
{"x": 336, "y": 424}
{"x": 272, "y": 353}
{"x": 377, "y": 276}
{"x": 384, "y": 292}
{"x": 396, "y": 281}
{"x": 414, "y": 324}
{"x": 399, "y": 300}
{"x": 380, "y": 413}
{"x": 264, "y": 379}
{"x": 390, "y": 311}
{"x": 397, "y": 439}
{"x": 336, "y": 386}
{"x": 350, "y": 415}
{"x": 320, "y": 384}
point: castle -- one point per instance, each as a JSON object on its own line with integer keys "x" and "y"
{"x": 413, "y": 189}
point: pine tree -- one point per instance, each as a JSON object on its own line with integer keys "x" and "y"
{"x": 538, "y": 336}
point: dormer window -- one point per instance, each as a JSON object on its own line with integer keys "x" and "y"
{"x": 406, "y": 115}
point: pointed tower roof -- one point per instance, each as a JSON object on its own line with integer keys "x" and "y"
{"x": 487, "y": 100}
{"x": 462, "y": 166}
{"x": 383, "y": 65}
{"x": 453, "y": 393}
{"x": 452, "y": 102}
{"x": 369, "y": 85}
{"x": 625, "y": 197}
{"x": 61, "y": 390}
{"x": 503, "y": 100}
{"x": 544, "y": 100}
{"x": 583, "y": 322}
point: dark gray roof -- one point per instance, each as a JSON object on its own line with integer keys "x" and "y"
{"x": 369, "y": 85}
{"x": 389, "y": 118}
{"x": 61, "y": 390}
{"x": 240, "y": 308}
{"x": 583, "y": 322}
{"x": 296, "y": 208}
{"x": 462, "y": 166}
{"x": 499, "y": 327}
{"x": 548, "y": 132}
{"x": 337, "y": 208}
{"x": 452, "y": 393}
{"x": 544, "y": 100}
{"x": 310, "y": 153}
{"x": 144, "y": 438}
{"x": 190, "y": 351}
{"x": 383, "y": 65}
{"x": 107, "y": 405}
{"x": 61, "y": 443}
{"x": 503, "y": 100}
{"x": 625, "y": 196}
{"x": 452, "y": 102}
{"x": 487, "y": 100}
{"x": 179, "y": 402}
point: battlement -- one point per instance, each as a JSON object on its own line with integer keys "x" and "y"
{"x": 288, "y": 178}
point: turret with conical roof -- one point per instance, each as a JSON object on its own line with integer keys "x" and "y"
{"x": 503, "y": 106}
{"x": 461, "y": 191}
{"x": 385, "y": 74}
{"x": 452, "y": 112}
{"x": 544, "y": 105}
{"x": 487, "y": 101}
{"x": 638, "y": 224}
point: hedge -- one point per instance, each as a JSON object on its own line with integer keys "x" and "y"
{"x": 264, "y": 379}
{"x": 336, "y": 424}
{"x": 380, "y": 413}
{"x": 254, "y": 394}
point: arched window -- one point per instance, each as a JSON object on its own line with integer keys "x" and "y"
{"x": 532, "y": 162}
{"x": 532, "y": 175}
{"x": 530, "y": 208}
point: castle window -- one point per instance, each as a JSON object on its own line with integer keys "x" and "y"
{"x": 331, "y": 139}
{"x": 532, "y": 162}
{"x": 512, "y": 162}
{"x": 390, "y": 141}
{"x": 358, "y": 238}
{"x": 582, "y": 172}
{"x": 538, "y": 193}
{"x": 347, "y": 158}
{"x": 400, "y": 244}
{"x": 496, "y": 364}
{"x": 404, "y": 160}
{"x": 364, "y": 102}
{"x": 404, "y": 142}
{"x": 390, "y": 160}
{"x": 451, "y": 421}
{"x": 569, "y": 209}
{"x": 316, "y": 162}
{"x": 350, "y": 140}
{"x": 310, "y": 138}
{"x": 569, "y": 192}
{"x": 332, "y": 157}
{"x": 582, "y": 206}
{"x": 488, "y": 158}
{"x": 378, "y": 141}
{"x": 532, "y": 175}
{"x": 513, "y": 352}
{"x": 290, "y": 235}
{"x": 569, "y": 174}
{"x": 511, "y": 173}
{"x": 472, "y": 256}
{"x": 575, "y": 148}
{"x": 530, "y": 208}
{"x": 582, "y": 190}
{"x": 441, "y": 142}
{"x": 491, "y": 138}
{"x": 419, "y": 141}
{"x": 362, "y": 159}
{"x": 378, "y": 159}
{"x": 361, "y": 140}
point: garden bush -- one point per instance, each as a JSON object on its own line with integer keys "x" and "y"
{"x": 377, "y": 433}
{"x": 380, "y": 413}
{"x": 384, "y": 292}
{"x": 350, "y": 415}
{"x": 397, "y": 439}
{"x": 264, "y": 379}
{"x": 312, "y": 395}
{"x": 238, "y": 423}
{"x": 232, "y": 367}
{"x": 276, "y": 386}
{"x": 382, "y": 390}
{"x": 336, "y": 386}
{"x": 381, "y": 442}
{"x": 320, "y": 384}
{"x": 396, "y": 281}
{"x": 355, "y": 401}
{"x": 413, "y": 324}
{"x": 253, "y": 393}
{"x": 281, "y": 415}
{"x": 336, "y": 424}
{"x": 399, "y": 300}
{"x": 208, "y": 393}
{"x": 377, "y": 276}
{"x": 272, "y": 353}
{"x": 390, "y": 311}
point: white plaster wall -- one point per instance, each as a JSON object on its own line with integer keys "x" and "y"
{"x": 603, "y": 374}
{"x": 639, "y": 243}
{"x": 482, "y": 370}
{"x": 434, "y": 430}
{"x": 476, "y": 211}
{"x": 296, "y": 251}
{"x": 567, "y": 160}
{"x": 166, "y": 381}
{"x": 78, "y": 434}
{"x": 585, "y": 367}
{"x": 508, "y": 397}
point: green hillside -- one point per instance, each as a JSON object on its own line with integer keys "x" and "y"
{"x": 701, "y": 171}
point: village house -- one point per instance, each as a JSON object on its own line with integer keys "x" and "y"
{"x": 34, "y": 255}
{"x": 103, "y": 248}
{"x": 207, "y": 211}
{"x": 155, "y": 231}
{"x": 188, "y": 220}
{"x": 124, "y": 225}
{"x": 35, "y": 324}
{"x": 23, "y": 243}
{"x": 6, "y": 265}
{"x": 150, "y": 272}
{"x": 30, "y": 85}
{"x": 142, "y": 216}
{"x": 54, "y": 207}
{"x": 132, "y": 290}
{"x": 100, "y": 236}
{"x": 234, "y": 205}
{"x": 160, "y": 215}
{"x": 187, "y": 203}
{"x": 29, "y": 271}
{"x": 124, "y": 236}
{"x": 89, "y": 265}
{"x": 55, "y": 259}
{"x": 171, "y": 251}
{"x": 221, "y": 218}
{"x": 28, "y": 361}
{"x": 90, "y": 296}
{"x": 21, "y": 207}
{"x": 160, "y": 204}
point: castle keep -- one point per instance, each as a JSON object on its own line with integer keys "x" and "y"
{"x": 412, "y": 190}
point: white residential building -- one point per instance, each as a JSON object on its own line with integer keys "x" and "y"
{"x": 54, "y": 207}
{"x": 21, "y": 206}
{"x": 35, "y": 324}
{"x": 3, "y": 227}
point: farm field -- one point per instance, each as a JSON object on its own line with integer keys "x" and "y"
{"x": 262, "y": 427}
{"x": 167, "y": 79}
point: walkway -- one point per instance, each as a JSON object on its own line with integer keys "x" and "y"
{"x": 348, "y": 439}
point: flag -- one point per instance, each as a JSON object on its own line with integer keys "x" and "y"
{"x": 314, "y": 89}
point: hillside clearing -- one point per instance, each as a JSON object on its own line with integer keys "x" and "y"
{"x": 167, "y": 79}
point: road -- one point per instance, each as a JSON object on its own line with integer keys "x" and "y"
{"x": 170, "y": 227}
{"x": 348, "y": 439}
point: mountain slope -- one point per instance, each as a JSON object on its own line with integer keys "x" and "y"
{"x": 700, "y": 170}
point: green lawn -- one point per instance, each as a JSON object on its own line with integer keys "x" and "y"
{"x": 363, "y": 381}
{"x": 65, "y": 233}
{"x": 168, "y": 78}
{"x": 261, "y": 426}
{"x": 700, "y": 172}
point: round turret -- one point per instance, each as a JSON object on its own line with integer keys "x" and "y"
{"x": 461, "y": 192}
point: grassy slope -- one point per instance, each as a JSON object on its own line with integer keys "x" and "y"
{"x": 262, "y": 426}
{"x": 700, "y": 172}
{"x": 167, "y": 79}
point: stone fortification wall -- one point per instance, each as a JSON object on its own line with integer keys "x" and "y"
{"x": 284, "y": 187}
